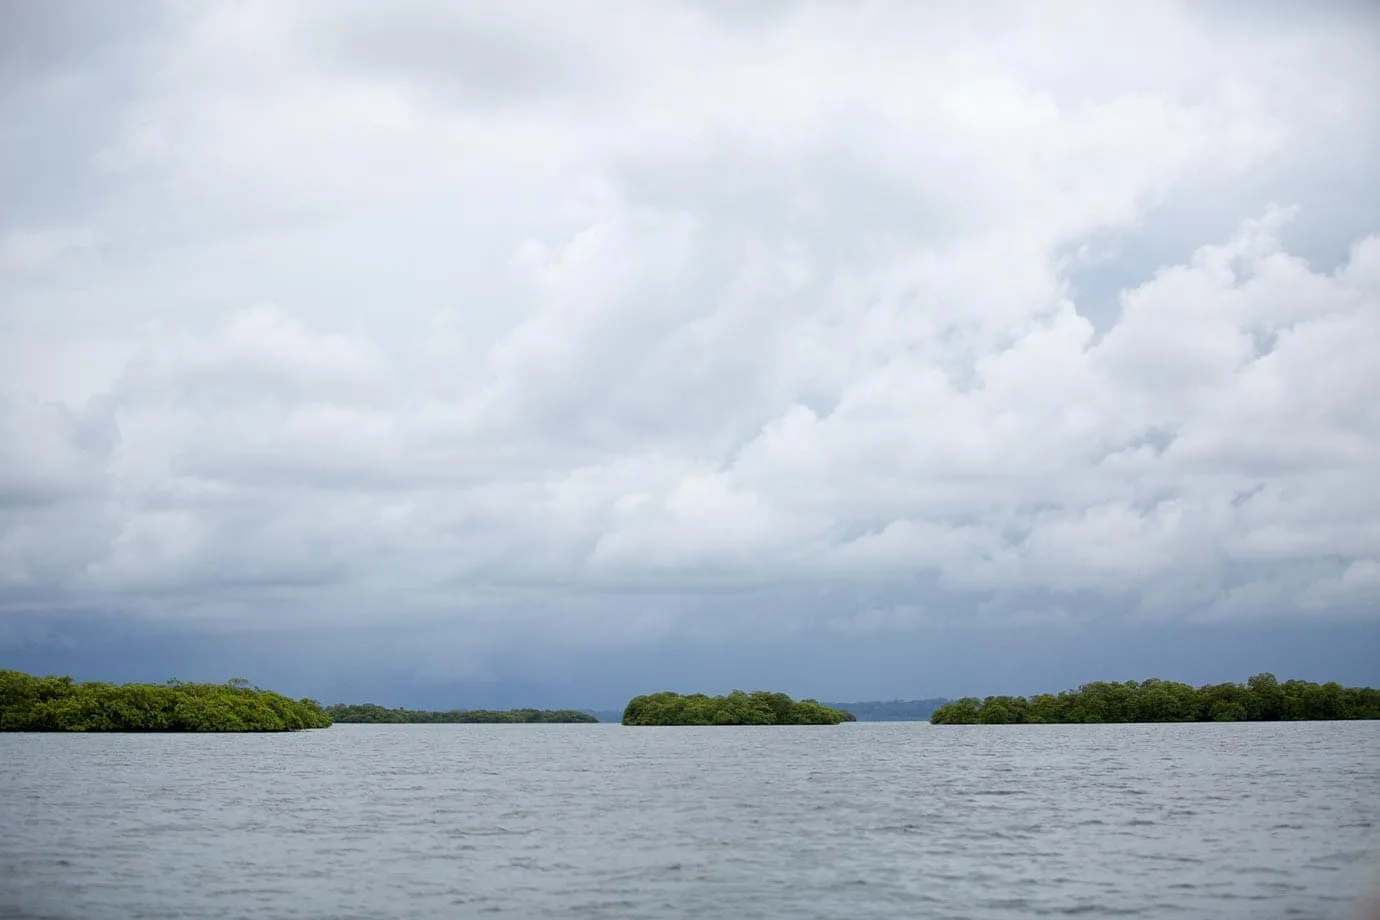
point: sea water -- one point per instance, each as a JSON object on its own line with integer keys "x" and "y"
{"x": 863, "y": 820}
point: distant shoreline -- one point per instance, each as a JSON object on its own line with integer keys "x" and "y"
{"x": 862, "y": 711}
{"x": 373, "y": 714}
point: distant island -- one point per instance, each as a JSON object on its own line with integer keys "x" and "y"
{"x": 890, "y": 710}
{"x": 60, "y": 704}
{"x": 371, "y": 713}
{"x": 737, "y": 708}
{"x": 865, "y": 711}
{"x": 1262, "y": 699}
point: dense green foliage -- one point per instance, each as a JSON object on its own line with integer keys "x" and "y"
{"x": 738, "y": 708}
{"x": 890, "y": 710}
{"x": 372, "y": 713}
{"x": 51, "y": 704}
{"x": 1262, "y": 699}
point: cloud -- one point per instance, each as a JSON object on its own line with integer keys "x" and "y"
{"x": 49, "y": 450}
{"x": 632, "y": 319}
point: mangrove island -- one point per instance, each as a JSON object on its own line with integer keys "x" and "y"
{"x": 373, "y": 714}
{"x": 737, "y": 708}
{"x": 60, "y": 704}
{"x": 1262, "y": 699}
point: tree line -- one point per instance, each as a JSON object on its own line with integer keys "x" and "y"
{"x": 54, "y": 704}
{"x": 737, "y": 708}
{"x": 374, "y": 714}
{"x": 1263, "y": 698}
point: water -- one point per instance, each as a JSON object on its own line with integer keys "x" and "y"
{"x": 853, "y": 821}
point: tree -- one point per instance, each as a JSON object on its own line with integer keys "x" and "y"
{"x": 60, "y": 704}
{"x": 1262, "y": 698}
{"x": 736, "y": 708}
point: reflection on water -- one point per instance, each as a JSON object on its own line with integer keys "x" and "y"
{"x": 857, "y": 821}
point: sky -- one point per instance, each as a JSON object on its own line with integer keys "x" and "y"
{"x": 460, "y": 354}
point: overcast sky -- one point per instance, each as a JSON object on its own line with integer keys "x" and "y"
{"x": 516, "y": 352}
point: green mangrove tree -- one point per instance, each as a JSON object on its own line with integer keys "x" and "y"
{"x": 737, "y": 708}
{"x": 1263, "y": 698}
{"x": 58, "y": 704}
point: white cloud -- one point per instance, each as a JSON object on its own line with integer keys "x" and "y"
{"x": 25, "y": 251}
{"x": 628, "y": 310}
{"x": 49, "y": 452}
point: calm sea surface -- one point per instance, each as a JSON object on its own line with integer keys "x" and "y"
{"x": 854, "y": 821}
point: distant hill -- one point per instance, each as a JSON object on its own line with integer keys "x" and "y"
{"x": 606, "y": 715}
{"x": 891, "y": 710}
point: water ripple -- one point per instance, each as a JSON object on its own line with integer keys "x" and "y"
{"x": 862, "y": 821}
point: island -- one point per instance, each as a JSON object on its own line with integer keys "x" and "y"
{"x": 1263, "y": 698}
{"x": 373, "y": 714}
{"x": 60, "y": 704}
{"x": 737, "y": 708}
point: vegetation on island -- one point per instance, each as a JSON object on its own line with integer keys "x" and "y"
{"x": 890, "y": 710}
{"x": 737, "y": 708}
{"x": 374, "y": 714}
{"x": 1262, "y": 699}
{"x": 60, "y": 704}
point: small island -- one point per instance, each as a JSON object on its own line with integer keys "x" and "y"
{"x": 737, "y": 708}
{"x": 1262, "y": 699}
{"x": 373, "y": 714}
{"x": 60, "y": 704}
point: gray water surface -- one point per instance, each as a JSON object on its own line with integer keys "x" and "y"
{"x": 864, "y": 820}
